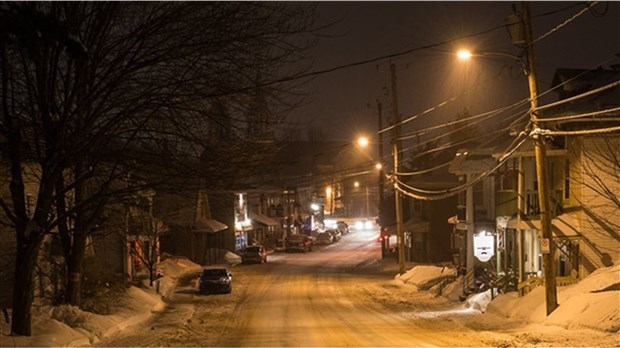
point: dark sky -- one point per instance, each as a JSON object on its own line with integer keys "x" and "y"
{"x": 343, "y": 103}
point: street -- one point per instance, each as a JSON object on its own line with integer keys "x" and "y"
{"x": 335, "y": 295}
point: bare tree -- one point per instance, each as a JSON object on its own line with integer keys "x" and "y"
{"x": 93, "y": 91}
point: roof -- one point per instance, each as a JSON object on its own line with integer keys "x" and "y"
{"x": 204, "y": 225}
{"x": 472, "y": 161}
{"x": 263, "y": 219}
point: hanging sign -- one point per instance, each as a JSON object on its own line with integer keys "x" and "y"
{"x": 484, "y": 246}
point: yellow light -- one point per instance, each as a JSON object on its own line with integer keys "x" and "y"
{"x": 328, "y": 190}
{"x": 464, "y": 54}
{"x": 378, "y": 166}
{"x": 356, "y": 184}
{"x": 362, "y": 141}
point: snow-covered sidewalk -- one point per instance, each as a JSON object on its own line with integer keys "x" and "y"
{"x": 69, "y": 326}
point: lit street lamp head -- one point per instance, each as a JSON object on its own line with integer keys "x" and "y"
{"x": 363, "y": 141}
{"x": 464, "y": 54}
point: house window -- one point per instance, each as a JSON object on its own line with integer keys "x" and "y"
{"x": 567, "y": 179}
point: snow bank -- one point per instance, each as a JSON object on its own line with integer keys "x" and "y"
{"x": 176, "y": 267}
{"x": 593, "y": 303}
{"x": 69, "y": 326}
{"x": 425, "y": 277}
{"x": 172, "y": 269}
{"x": 232, "y": 258}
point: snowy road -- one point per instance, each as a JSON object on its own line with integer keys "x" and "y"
{"x": 313, "y": 299}
{"x": 297, "y": 299}
{"x": 338, "y": 295}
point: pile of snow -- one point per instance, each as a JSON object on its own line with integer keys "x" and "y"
{"x": 232, "y": 258}
{"x": 425, "y": 277}
{"x": 172, "y": 269}
{"x": 69, "y": 326}
{"x": 594, "y": 303}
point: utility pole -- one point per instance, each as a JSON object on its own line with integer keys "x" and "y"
{"x": 395, "y": 154}
{"x": 541, "y": 169}
{"x": 381, "y": 179}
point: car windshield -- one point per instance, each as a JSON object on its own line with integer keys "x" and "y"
{"x": 214, "y": 273}
{"x": 297, "y": 237}
{"x": 252, "y": 249}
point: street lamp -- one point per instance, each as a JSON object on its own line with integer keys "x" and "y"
{"x": 541, "y": 169}
{"x": 363, "y": 141}
{"x": 465, "y": 54}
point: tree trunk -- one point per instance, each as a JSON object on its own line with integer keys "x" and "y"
{"x": 75, "y": 262}
{"x": 74, "y": 268}
{"x": 23, "y": 287}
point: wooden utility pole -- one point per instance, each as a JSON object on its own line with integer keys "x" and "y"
{"x": 395, "y": 154}
{"x": 541, "y": 169}
{"x": 381, "y": 178}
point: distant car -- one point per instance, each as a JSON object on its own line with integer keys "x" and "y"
{"x": 364, "y": 225}
{"x": 215, "y": 280}
{"x": 299, "y": 242}
{"x": 254, "y": 253}
{"x": 336, "y": 233}
{"x": 324, "y": 238}
{"x": 342, "y": 226}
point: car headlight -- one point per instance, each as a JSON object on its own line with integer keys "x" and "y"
{"x": 224, "y": 280}
{"x": 359, "y": 225}
{"x": 368, "y": 225}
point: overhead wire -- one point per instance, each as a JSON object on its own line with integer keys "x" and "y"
{"x": 607, "y": 130}
{"x": 557, "y": 27}
{"x": 580, "y": 116}
{"x": 442, "y": 194}
{"x": 579, "y": 96}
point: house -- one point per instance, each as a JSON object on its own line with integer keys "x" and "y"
{"x": 583, "y": 181}
{"x": 192, "y": 232}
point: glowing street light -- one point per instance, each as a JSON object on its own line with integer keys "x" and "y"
{"x": 363, "y": 141}
{"x": 464, "y": 54}
{"x": 378, "y": 166}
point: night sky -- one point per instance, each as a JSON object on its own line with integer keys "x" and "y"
{"x": 343, "y": 103}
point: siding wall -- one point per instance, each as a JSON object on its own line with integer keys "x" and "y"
{"x": 598, "y": 216}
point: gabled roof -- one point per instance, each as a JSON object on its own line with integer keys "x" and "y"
{"x": 473, "y": 161}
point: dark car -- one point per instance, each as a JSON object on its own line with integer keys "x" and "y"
{"x": 335, "y": 233}
{"x": 215, "y": 280}
{"x": 324, "y": 238}
{"x": 254, "y": 253}
{"x": 342, "y": 226}
{"x": 299, "y": 242}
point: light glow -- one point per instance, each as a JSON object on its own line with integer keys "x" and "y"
{"x": 464, "y": 54}
{"x": 378, "y": 166}
{"x": 363, "y": 141}
{"x": 315, "y": 207}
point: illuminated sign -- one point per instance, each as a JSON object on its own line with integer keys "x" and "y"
{"x": 484, "y": 243}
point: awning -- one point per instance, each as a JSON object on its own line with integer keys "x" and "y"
{"x": 263, "y": 219}
{"x": 203, "y": 225}
{"x": 563, "y": 225}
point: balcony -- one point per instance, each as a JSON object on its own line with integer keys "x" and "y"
{"x": 531, "y": 204}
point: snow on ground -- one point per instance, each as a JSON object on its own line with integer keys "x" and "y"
{"x": 70, "y": 326}
{"x": 592, "y": 304}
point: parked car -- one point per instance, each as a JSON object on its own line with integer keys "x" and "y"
{"x": 324, "y": 238}
{"x": 342, "y": 226}
{"x": 215, "y": 280}
{"x": 254, "y": 253}
{"x": 334, "y": 232}
{"x": 299, "y": 242}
